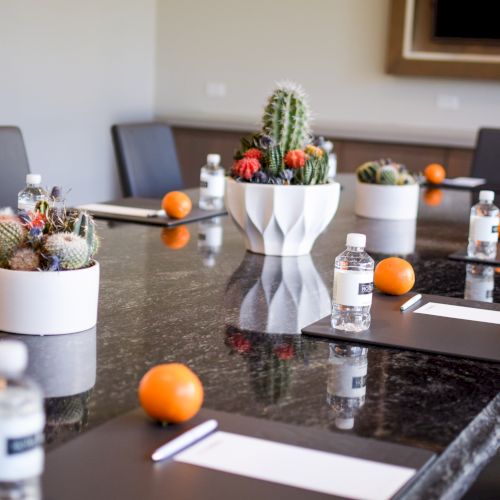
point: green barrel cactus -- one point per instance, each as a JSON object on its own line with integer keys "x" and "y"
{"x": 287, "y": 118}
{"x": 367, "y": 172}
{"x": 387, "y": 174}
{"x": 69, "y": 250}
{"x": 12, "y": 235}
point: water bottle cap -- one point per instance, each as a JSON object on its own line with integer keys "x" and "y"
{"x": 486, "y": 196}
{"x": 213, "y": 159}
{"x": 327, "y": 146}
{"x": 344, "y": 423}
{"x": 356, "y": 240}
{"x": 33, "y": 179}
{"x": 13, "y": 357}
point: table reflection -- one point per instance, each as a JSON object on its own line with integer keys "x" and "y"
{"x": 346, "y": 383}
{"x": 388, "y": 237}
{"x": 270, "y": 359}
{"x": 479, "y": 282}
{"x": 64, "y": 366}
{"x": 276, "y": 294}
{"x": 210, "y": 237}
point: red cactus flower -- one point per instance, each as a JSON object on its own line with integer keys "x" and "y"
{"x": 285, "y": 351}
{"x": 253, "y": 153}
{"x": 240, "y": 344}
{"x": 37, "y": 220}
{"x": 246, "y": 167}
{"x": 296, "y": 158}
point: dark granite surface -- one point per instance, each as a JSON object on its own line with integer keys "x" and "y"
{"x": 208, "y": 308}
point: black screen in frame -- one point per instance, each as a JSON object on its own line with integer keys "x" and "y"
{"x": 467, "y": 19}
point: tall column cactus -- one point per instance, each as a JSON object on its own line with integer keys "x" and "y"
{"x": 287, "y": 118}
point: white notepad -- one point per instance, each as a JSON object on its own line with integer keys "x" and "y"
{"x": 460, "y": 312}
{"x": 119, "y": 210}
{"x": 464, "y": 182}
{"x": 298, "y": 467}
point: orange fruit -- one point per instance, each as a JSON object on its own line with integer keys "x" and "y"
{"x": 434, "y": 173}
{"x": 394, "y": 276}
{"x": 175, "y": 237}
{"x": 171, "y": 393}
{"x": 176, "y": 204}
{"x": 433, "y": 197}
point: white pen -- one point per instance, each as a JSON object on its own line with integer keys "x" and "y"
{"x": 411, "y": 302}
{"x": 184, "y": 440}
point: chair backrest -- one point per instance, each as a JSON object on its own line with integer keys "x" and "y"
{"x": 486, "y": 161}
{"x": 147, "y": 159}
{"x": 13, "y": 165}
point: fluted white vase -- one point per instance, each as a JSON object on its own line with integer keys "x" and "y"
{"x": 281, "y": 220}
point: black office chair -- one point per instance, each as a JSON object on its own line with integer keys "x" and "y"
{"x": 486, "y": 161}
{"x": 13, "y": 165}
{"x": 147, "y": 159}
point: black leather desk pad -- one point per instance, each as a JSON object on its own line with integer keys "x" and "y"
{"x": 461, "y": 255}
{"x": 112, "y": 461}
{"x": 421, "y": 332}
{"x": 196, "y": 213}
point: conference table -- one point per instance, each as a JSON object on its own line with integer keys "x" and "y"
{"x": 194, "y": 295}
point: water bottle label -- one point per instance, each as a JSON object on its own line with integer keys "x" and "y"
{"x": 347, "y": 380}
{"x": 25, "y": 443}
{"x": 483, "y": 228}
{"x": 352, "y": 288}
{"x": 212, "y": 185}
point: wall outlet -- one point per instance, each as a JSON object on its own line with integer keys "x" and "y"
{"x": 448, "y": 102}
{"x": 216, "y": 89}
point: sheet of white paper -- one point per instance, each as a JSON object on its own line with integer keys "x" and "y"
{"x": 464, "y": 181}
{"x": 118, "y": 210}
{"x": 295, "y": 466}
{"x": 460, "y": 312}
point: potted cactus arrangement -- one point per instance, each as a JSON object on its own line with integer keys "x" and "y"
{"x": 49, "y": 280}
{"x": 278, "y": 192}
{"x": 386, "y": 190}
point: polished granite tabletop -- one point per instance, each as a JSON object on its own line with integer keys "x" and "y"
{"x": 194, "y": 295}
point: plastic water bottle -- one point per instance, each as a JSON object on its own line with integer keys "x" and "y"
{"x": 22, "y": 420}
{"x": 346, "y": 386}
{"x": 212, "y": 184}
{"x": 479, "y": 282}
{"x": 483, "y": 227}
{"x": 31, "y": 194}
{"x": 353, "y": 286}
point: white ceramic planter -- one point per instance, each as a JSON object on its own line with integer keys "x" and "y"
{"x": 281, "y": 220}
{"x": 378, "y": 201}
{"x": 48, "y": 303}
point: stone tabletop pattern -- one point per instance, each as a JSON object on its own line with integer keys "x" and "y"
{"x": 234, "y": 318}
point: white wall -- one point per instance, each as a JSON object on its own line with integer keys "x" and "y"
{"x": 334, "y": 48}
{"x": 69, "y": 69}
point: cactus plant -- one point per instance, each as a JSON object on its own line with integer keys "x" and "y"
{"x": 12, "y": 235}
{"x": 24, "y": 259}
{"x": 384, "y": 171}
{"x": 287, "y": 118}
{"x": 387, "y": 174}
{"x": 367, "y": 172}
{"x": 84, "y": 226}
{"x": 68, "y": 250}
{"x": 274, "y": 161}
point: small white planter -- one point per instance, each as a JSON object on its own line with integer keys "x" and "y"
{"x": 281, "y": 220}
{"x": 378, "y": 201}
{"x": 48, "y": 303}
